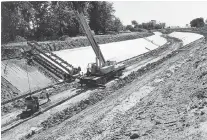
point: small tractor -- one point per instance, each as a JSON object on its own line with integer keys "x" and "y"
{"x": 32, "y": 106}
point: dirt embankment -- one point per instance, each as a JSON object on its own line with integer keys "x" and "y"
{"x": 177, "y": 108}
{"x": 7, "y": 89}
{"x": 12, "y": 50}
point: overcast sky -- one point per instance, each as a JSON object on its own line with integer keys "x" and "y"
{"x": 172, "y": 13}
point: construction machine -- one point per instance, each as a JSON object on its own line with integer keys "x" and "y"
{"x": 32, "y": 106}
{"x": 51, "y": 62}
{"x": 101, "y": 71}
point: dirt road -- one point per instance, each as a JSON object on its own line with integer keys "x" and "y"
{"x": 167, "y": 102}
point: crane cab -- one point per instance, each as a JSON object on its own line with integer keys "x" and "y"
{"x": 93, "y": 69}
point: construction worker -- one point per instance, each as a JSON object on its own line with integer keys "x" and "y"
{"x": 79, "y": 69}
{"x": 48, "y": 99}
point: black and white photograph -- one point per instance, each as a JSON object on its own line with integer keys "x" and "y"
{"x": 103, "y": 70}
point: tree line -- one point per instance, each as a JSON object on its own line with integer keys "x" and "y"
{"x": 50, "y": 20}
{"x": 197, "y": 22}
{"x": 135, "y": 26}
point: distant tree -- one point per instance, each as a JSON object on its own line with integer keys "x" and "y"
{"x": 140, "y": 26}
{"x": 49, "y": 20}
{"x": 157, "y": 26}
{"x": 144, "y": 25}
{"x": 106, "y": 15}
{"x": 206, "y": 21}
{"x": 198, "y": 22}
{"x": 100, "y": 15}
{"x": 124, "y": 28}
{"x": 39, "y": 20}
{"x": 135, "y": 23}
{"x": 148, "y": 25}
{"x": 94, "y": 16}
{"x": 15, "y": 17}
{"x": 163, "y": 25}
{"x": 129, "y": 27}
{"x": 117, "y": 25}
{"x": 65, "y": 19}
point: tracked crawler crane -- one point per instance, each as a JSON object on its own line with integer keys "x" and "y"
{"x": 101, "y": 71}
